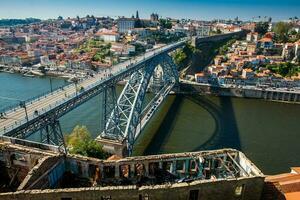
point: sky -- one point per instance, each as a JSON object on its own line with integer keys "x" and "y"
{"x": 188, "y": 9}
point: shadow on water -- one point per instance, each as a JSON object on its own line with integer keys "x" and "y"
{"x": 226, "y": 134}
{"x": 165, "y": 127}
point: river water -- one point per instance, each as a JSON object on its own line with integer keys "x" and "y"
{"x": 267, "y": 132}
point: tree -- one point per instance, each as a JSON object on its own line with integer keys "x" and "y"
{"x": 81, "y": 142}
{"x": 138, "y": 23}
{"x": 281, "y": 30}
{"x": 165, "y": 23}
{"x": 183, "y": 55}
{"x": 179, "y": 57}
{"x": 284, "y": 69}
{"x": 262, "y": 27}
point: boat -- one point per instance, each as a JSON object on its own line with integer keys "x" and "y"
{"x": 37, "y": 73}
{"x": 28, "y": 74}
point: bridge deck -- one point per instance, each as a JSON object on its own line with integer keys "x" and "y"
{"x": 16, "y": 117}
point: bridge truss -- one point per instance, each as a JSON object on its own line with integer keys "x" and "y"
{"x": 126, "y": 112}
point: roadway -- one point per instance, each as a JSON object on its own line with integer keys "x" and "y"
{"x": 16, "y": 117}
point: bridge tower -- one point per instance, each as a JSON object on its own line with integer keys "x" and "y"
{"x": 122, "y": 117}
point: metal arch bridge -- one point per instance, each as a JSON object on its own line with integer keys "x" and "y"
{"x": 124, "y": 118}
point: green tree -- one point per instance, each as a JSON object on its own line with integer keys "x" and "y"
{"x": 179, "y": 57}
{"x": 284, "y": 69}
{"x": 165, "y": 23}
{"x": 224, "y": 49}
{"x": 183, "y": 55}
{"x": 80, "y": 142}
{"x": 218, "y": 31}
{"x": 281, "y": 30}
{"x": 262, "y": 27}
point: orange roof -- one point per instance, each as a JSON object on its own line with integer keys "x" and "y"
{"x": 260, "y": 57}
{"x": 287, "y": 182}
{"x": 248, "y": 70}
{"x": 199, "y": 74}
{"x": 114, "y": 157}
{"x": 292, "y": 196}
{"x": 269, "y": 35}
{"x": 265, "y": 39}
{"x": 296, "y": 169}
{"x": 260, "y": 75}
{"x": 106, "y": 33}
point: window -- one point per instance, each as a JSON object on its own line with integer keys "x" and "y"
{"x": 193, "y": 165}
{"x": 153, "y": 168}
{"x": 144, "y": 197}
{"x": 167, "y": 166}
{"x": 180, "y": 165}
{"x": 239, "y": 190}
{"x": 124, "y": 171}
{"x": 109, "y": 171}
{"x": 139, "y": 169}
{"x": 19, "y": 157}
{"x": 108, "y": 197}
{"x": 194, "y": 194}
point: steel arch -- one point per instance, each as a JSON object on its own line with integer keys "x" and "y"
{"x": 126, "y": 115}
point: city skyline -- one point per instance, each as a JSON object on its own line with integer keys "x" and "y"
{"x": 193, "y": 9}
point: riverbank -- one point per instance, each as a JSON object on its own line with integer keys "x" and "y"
{"x": 283, "y": 95}
{"x": 35, "y": 72}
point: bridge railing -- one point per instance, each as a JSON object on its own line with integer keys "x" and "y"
{"x": 31, "y": 100}
{"x": 42, "y": 111}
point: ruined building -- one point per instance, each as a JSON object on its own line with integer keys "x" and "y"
{"x": 41, "y": 173}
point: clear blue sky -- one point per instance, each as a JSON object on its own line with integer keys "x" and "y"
{"x": 194, "y": 9}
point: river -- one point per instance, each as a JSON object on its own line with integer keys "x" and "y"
{"x": 267, "y": 132}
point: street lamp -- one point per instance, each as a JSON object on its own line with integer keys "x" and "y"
{"x": 51, "y": 88}
{"x": 76, "y": 82}
{"x": 23, "y": 105}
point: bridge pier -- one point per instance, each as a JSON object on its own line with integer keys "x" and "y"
{"x": 113, "y": 147}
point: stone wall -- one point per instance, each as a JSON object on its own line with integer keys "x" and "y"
{"x": 38, "y": 178}
{"x": 17, "y": 161}
{"x": 30, "y": 144}
{"x": 195, "y": 175}
{"x": 246, "y": 189}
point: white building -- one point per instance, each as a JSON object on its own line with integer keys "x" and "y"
{"x": 252, "y": 37}
{"x": 247, "y": 73}
{"x": 121, "y": 49}
{"x": 108, "y": 36}
{"x": 125, "y": 24}
{"x": 44, "y": 60}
